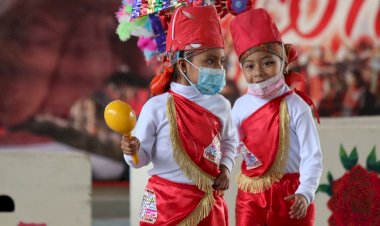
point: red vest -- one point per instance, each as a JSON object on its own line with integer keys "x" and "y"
{"x": 195, "y": 138}
{"x": 260, "y": 134}
{"x": 265, "y": 145}
{"x": 199, "y": 133}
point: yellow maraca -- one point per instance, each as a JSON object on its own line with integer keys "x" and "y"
{"x": 121, "y": 118}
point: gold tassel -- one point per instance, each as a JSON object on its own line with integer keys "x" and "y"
{"x": 201, "y": 179}
{"x": 276, "y": 172}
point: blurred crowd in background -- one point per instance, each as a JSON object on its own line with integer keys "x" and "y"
{"x": 343, "y": 84}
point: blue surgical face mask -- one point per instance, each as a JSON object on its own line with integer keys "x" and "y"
{"x": 210, "y": 81}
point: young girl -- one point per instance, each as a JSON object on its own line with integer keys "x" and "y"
{"x": 186, "y": 130}
{"x": 282, "y": 160}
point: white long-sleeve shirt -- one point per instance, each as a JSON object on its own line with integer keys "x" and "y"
{"x": 305, "y": 156}
{"x": 153, "y": 132}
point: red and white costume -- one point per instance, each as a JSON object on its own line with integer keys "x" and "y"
{"x": 279, "y": 140}
{"x": 186, "y": 136}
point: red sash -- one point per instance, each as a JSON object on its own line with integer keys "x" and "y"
{"x": 261, "y": 135}
{"x": 195, "y": 138}
{"x": 168, "y": 204}
{"x": 198, "y": 130}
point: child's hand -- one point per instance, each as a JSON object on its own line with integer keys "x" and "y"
{"x": 222, "y": 181}
{"x": 130, "y": 145}
{"x": 299, "y": 208}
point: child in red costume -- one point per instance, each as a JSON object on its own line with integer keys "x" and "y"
{"x": 282, "y": 159}
{"x": 186, "y": 130}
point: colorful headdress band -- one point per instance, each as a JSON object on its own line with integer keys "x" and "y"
{"x": 149, "y": 19}
{"x": 275, "y": 48}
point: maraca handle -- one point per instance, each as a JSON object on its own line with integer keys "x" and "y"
{"x": 135, "y": 157}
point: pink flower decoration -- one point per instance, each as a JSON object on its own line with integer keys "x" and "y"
{"x": 147, "y": 43}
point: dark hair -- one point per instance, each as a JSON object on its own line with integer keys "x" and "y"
{"x": 176, "y": 71}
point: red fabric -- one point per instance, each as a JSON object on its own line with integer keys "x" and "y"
{"x": 161, "y": 82}
{"x": 197, "y": 128}
{"x": 291, "y": 53}
{"x": 295, "y": 80}
{"x": 269, "y": 207}
{"x": 255, "y": 130}
{"x": 198, "y": 25}
{"x": 218, "y": 215}
{"x": 315, "y": 85}
{"x": 253, "y": 28}
{"x": 176, "y": 201}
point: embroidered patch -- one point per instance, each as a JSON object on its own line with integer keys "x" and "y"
{"x": 212, "y": 152}
{"x": 250, "y": 159}
{"x": 148, "y": 210}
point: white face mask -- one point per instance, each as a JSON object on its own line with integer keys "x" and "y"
{"x": 270, "y": 86}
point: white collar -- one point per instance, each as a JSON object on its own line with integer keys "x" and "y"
{"x": 187, "y": 91}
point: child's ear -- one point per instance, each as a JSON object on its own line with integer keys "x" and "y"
{"x": 182, "y": 65}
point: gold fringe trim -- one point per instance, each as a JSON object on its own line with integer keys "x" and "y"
{"x": 201, "y": 211}
{"x": 201, "y": 179}
{"x": 276, "y": 172}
